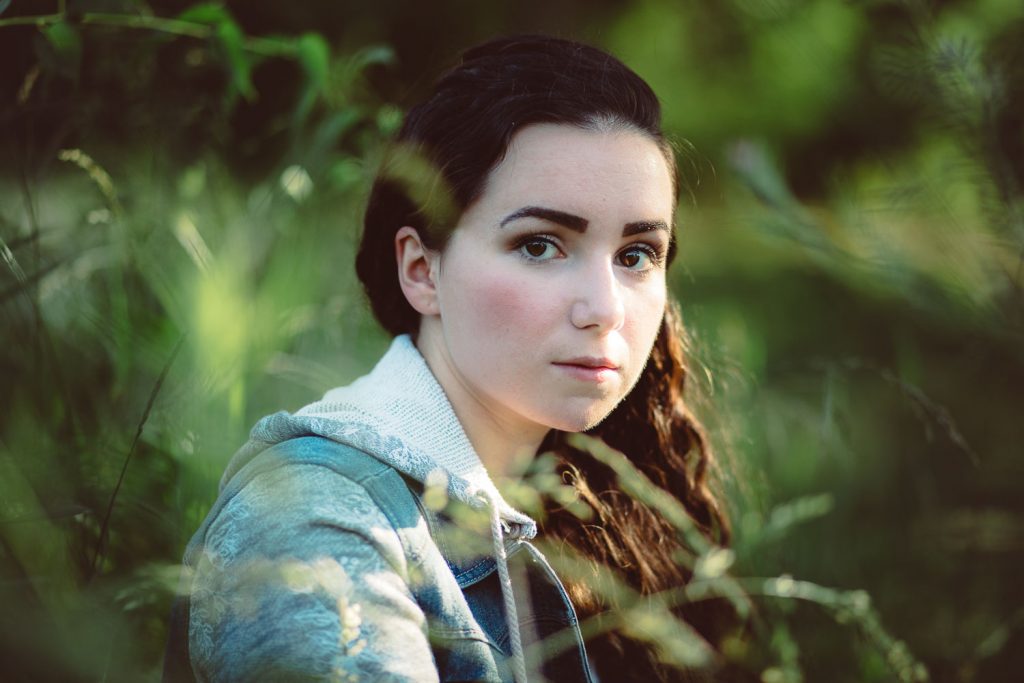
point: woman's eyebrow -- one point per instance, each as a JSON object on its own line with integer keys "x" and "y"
{"x": 638, "y": 227}
{"x": 568, "y": 220}
{"x": 578, "y": 223}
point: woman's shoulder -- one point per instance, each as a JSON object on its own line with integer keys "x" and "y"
{"x": 305, "y": 565}
{"x": 291, "y": 489}
{"x": 305, "y": 454}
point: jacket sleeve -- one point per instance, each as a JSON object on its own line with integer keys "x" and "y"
{"x": 302, "y": 577}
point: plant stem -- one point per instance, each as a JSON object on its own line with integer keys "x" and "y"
{"x": 39, "y": 20}
{"x": 188, "y": 29}
{"x": 101, "y": 542}
{"x": 173, "y": 26}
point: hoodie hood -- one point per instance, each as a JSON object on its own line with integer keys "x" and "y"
{"x": 399, "y": 414}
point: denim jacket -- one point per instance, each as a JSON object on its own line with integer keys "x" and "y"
{"x": 319, "y": 561}
{"x": 327, "y": 556}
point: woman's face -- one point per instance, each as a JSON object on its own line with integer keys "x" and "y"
{"x": 551, "y": 289}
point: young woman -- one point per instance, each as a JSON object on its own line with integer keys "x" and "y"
{"x": 516, "y": 246}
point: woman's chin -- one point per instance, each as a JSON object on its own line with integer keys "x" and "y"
{"x": 581, "y": 420}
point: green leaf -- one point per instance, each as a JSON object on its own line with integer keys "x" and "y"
{"x": 314, "y": 56}
{"x": 232, "y": 42}
{"x": 285, "y": 45}
{"x": 389, "y": 119}
{"x": 211, "y": 13}
{"x": 231, "y": 39}
{"x": 61, "y": 49}
{"x": 63, "y": 37}
{"x": 373, "y": 55}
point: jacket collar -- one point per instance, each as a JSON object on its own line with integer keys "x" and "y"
{"x": 400, "y": 414}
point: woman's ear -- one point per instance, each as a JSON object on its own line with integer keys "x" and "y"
{"x": 416, "y": 271}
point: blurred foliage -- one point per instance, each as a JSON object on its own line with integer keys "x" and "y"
{"x": 181, "y": 189}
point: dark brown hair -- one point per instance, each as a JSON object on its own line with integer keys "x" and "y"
{"x": 462, "y": 132}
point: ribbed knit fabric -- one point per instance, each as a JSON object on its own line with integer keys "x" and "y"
{"x": 400, "y": 414}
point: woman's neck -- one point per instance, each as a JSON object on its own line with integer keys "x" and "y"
{"x": 505, "y": 443}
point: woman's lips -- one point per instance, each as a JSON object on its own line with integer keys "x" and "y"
{"x": 587, "y": 373}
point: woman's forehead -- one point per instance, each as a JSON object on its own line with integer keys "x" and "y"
{"x": 567, "y": 165}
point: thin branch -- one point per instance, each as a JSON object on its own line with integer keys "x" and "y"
{"x": 25, "y": 281}
{"x": 38, "y": 20}
{"x": 104, "y": 528}
{"x": 46, "y": 349}
{"x": 177, "y": 27}
{"x": 931, "y": 409}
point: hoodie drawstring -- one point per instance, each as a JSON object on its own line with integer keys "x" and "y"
{"x": 511, "y": 617}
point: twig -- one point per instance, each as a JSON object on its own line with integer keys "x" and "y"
{"x": 38, "y": 20}
{"x": 131, "y": 451}
{"x": 177, "y": 27}
{"x": 25, "y": 281}
{"x": 931, "y": 409}
{"x": 30, "y": 288}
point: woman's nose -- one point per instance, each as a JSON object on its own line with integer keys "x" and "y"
{"x": 598, "y": 303}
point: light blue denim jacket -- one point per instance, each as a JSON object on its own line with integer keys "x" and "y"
{"x": 321, "y": 560}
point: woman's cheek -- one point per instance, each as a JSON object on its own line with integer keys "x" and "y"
{"x": 508, "y": 304}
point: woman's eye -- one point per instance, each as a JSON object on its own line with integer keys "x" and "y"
{"x": 638, "y": 258}
{"x": 539, "y": 249}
